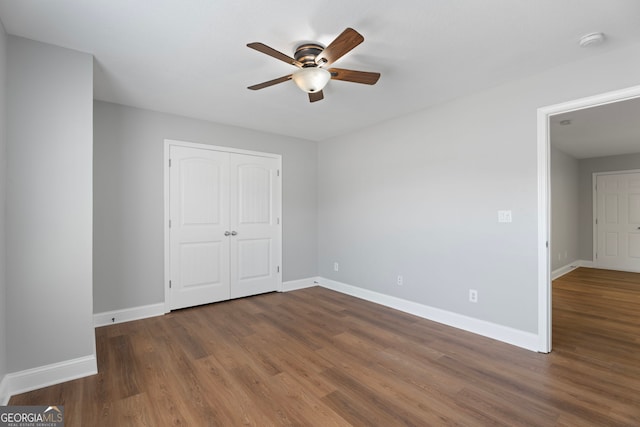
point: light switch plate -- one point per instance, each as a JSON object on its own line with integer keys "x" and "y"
{"x": 504, "y": 216}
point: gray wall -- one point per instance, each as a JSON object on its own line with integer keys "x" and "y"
{"x": 128, "y": 199}
{"x": 418, "y": 195}
{"x": 586, "y": 169}
{"x": 3, "y": 185}
{"x": 564, "y": 209}
{"x": 49, "y": 204}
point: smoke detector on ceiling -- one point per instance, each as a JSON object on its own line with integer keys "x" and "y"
{"x": 591, "y": 39}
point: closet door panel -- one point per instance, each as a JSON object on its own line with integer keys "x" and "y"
{"x": 255, "y": 220}
{"x": 199, "y": 202}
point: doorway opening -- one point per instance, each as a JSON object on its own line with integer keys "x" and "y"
{"x": 545, "y": 115}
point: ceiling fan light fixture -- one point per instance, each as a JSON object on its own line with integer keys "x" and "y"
{"x": 311, "y": 79}
{"x": 311, "y": 58}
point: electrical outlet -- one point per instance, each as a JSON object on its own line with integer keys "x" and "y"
{"x": 400, "y": 280}
{"x": 473, "y": 295}
{"x": 336, "y": 266}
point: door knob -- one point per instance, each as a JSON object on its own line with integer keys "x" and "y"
{"x": 226, "y": 233}
{"x": 233, "y": 233}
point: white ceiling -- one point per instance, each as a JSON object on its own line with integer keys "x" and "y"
{"x": 606, "y": 130}
{"x": 189, "y": 57}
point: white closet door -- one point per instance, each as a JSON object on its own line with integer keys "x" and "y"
{"x": 255, "y": 220}
{"x": 199, "y": 212}
{"x": 618, "y": 222}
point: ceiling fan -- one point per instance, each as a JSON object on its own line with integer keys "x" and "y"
{"x": 312, "y": 59}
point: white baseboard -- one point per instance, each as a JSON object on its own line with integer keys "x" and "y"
{"x": 294, "y": 285}
{"x": 5, "y": 395}
{"x": 559, "y": 272}
{"x": 505, "y": 334}
{"x": 592, "y": 264}
{"x": 585, "y": 263}
{"x": 127, "y": 314}
{"x": 43, "y": 376}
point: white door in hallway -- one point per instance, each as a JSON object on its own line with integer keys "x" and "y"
{"x": 199, "y": 213}
{"x": 617, "y": 225}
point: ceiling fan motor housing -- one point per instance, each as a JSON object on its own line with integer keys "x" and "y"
{"x": 306, "y": 54}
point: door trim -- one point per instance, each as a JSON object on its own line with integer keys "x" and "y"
{"x": 167, "y": 243}
{"x": 544, "y": 204}
{"x": 594, "y": 177}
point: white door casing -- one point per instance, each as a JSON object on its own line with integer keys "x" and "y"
{"x": 617, "y": 221}
{"x": 224, "y": 210}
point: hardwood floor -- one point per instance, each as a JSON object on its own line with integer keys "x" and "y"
{"x": 315, "y": 357}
